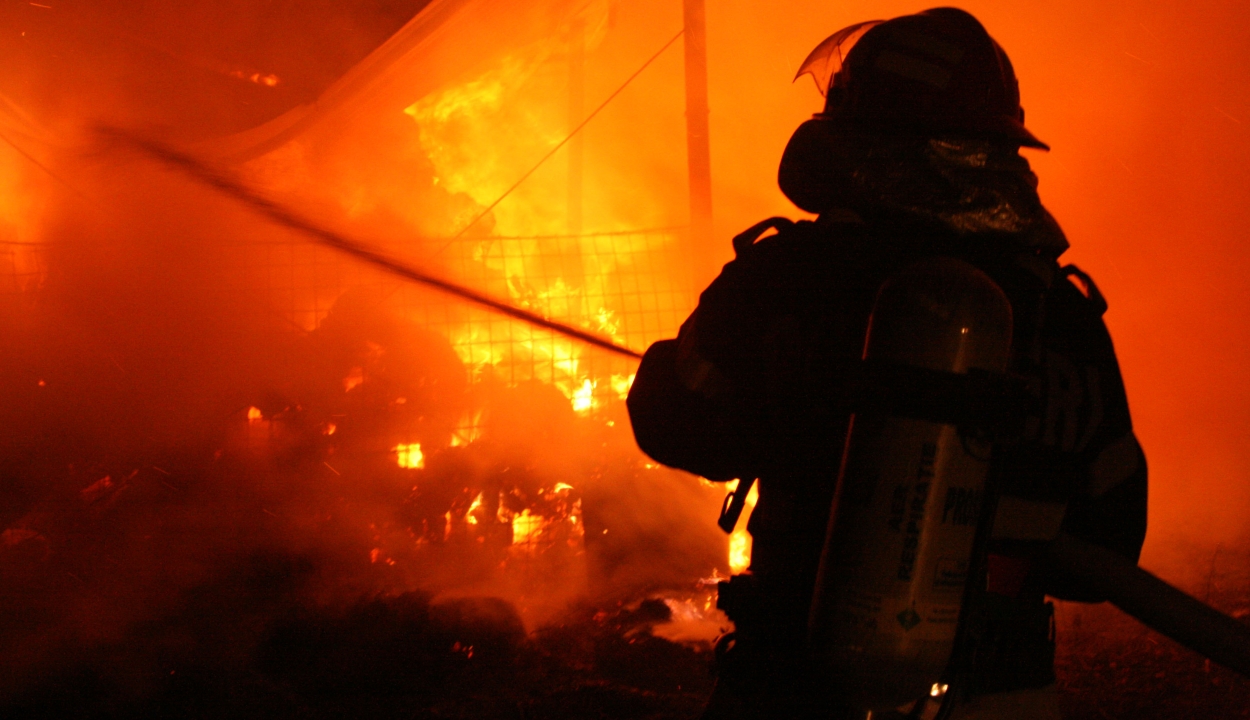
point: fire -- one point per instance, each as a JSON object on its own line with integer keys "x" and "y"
{"x": 469, "y": 517}
{"x": 458, "y": 129}
{"x": 584, "y": 397}
{"x": 266, "y": 79}
{"x": 481, "y": 136}
{"x": 409, "y": 456}
{"x": 254, "y": 415}
{"x": 353, "y": 379}
{"x": 740, "y": 540}
{"x": 621, "y": 385}
{"x": 526, "y": 528}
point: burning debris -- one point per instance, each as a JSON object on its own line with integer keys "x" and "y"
{"x": 240, "y": 648}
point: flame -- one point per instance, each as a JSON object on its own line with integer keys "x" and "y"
{"x": 480, "y": 137}
{"x": 254, "y": 415}
{"x": 469, "y": 517}
{"x": 740, "y": 540}
{"x": 266, "y": 79}
{"x": 526, "y": 528}
{"x": 459, "y": 129}
{"x": 584, "y": 397}
{"x": 409, "y": 456}
{"x": 621, "y": 385}
{"x": 354, "y": 378}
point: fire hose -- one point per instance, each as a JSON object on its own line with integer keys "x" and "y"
{"x": 277, "y": 213}
{"x": 1154, "y": 602}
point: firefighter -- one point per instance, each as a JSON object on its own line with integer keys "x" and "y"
{"x": 915, "y": 157}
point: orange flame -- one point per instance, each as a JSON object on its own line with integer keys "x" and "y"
{"x": 409, "y": 456}
{"x": 740, "y": 540}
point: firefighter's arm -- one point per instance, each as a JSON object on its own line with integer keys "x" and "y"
{"x": 679, "y": 426}
{"x": 1110, "y": 512}
{"x": 1107, "y": 507}
{"x": 695, "y": 401}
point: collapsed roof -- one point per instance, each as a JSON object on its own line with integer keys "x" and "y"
{"x": 239, "y": 77}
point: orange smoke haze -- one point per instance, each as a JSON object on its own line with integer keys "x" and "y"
{"x": 151, "y": 290}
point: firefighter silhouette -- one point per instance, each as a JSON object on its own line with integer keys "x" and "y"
{"x": 913, "y": 164}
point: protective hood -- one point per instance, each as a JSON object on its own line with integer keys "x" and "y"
{"x": 968, "y": 185}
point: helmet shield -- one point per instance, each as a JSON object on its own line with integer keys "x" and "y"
{"x": 826, "y": 60}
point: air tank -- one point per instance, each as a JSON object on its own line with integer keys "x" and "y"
{"x": 904, "y": 518}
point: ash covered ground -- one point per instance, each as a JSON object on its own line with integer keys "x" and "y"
{"x": 194, "y": 616}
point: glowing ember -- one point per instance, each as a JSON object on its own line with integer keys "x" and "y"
{"x": 584, "y": 397}
{"x": 469, "y": 517}
{"x": 409, "y": 456}
{"x": 353, "y": 379}
{"x": 267, "y": 79}
{"x": 470, "y": 430}
{"x": 526, "y": 527}
{"x": 740, "y": 540}
{"x": 621, "y": 385}
{"x": 254, "y": 415}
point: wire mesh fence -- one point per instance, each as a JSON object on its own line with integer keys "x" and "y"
{"x": 632, "y": 287}
{"x": 629, "y": 286}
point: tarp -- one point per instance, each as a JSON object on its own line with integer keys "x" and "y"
{"x": 445, "y": 42}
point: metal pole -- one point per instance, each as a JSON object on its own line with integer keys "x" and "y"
{"x": 698, "y": 153}
{"x": 577, "y": 100}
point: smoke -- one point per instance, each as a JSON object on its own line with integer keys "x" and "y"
{"x": 205, "y": 410}
{"x": 141, "y": 488}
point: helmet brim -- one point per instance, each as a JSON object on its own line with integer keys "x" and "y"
{"x": 998, "y": 128}
{"x": 805, "y": 174}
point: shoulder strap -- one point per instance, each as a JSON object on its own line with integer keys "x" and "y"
{"x": 1087, "y": 287}
{"x": 747, "y": 238}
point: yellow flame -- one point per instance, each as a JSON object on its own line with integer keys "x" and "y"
{"x": 409, "y": 456}
{"x": 478, "y": 134}
{"x": 469, "y": 516}
{"x": 479, "y": 137}
{"x": 621, "y": 385}
{"x": 254, "y": 415}
{"x": 584, "y": 397}
{"x": 740, "y": 540}
{"x": 526, "y": 528}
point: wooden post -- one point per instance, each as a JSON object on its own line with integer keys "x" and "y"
{"x": 576, "y": 111}
{"x": 698, "y": 153}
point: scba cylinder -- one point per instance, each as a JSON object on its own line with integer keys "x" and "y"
{"x": 904, "y": 519}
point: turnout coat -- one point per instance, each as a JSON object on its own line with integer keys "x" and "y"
{"x": 752, "y": 388}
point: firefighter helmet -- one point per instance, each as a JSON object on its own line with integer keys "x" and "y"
{"x": 935, "y": 71}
